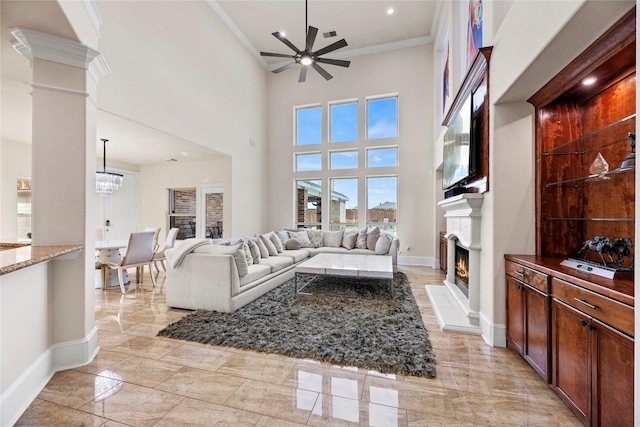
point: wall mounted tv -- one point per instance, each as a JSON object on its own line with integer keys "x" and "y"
{"x": 462, "y": 140}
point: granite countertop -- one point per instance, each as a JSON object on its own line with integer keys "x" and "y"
{"x": 15, "y": 256}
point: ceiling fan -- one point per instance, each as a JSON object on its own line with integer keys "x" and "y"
{"x": 308, "y": 57}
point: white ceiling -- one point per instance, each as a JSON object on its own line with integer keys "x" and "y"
{"x": 365, "y": 25}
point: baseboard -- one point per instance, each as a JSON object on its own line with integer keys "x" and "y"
{"x": 418, "y": 260}
{"x": 19, "y": 395}
{"x": 492, "y": 333}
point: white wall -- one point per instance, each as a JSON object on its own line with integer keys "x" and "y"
{"x": 164, "y": 82}
{"x": 156, "y": 179}
{"x": 407, "y": 72}
{"x": 15, "y": 162}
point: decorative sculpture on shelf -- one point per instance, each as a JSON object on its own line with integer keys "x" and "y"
{"x": 630, "y": 160}
{"x": 620, "y": 248}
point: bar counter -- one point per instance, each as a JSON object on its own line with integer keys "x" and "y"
{"x": 15, "y": 256}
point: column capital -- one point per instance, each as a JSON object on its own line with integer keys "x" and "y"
{"x": 33, "y": 44}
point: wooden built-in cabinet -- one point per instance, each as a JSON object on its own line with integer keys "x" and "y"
{"x": 576, "y": 329}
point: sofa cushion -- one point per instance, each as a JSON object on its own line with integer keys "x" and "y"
{"x": 264, "y": 252}
{"x": 247, "y": 253}
{"x": 269, "y": 244}
{"x": 332, "y": 239}
{"x": 372, "y": 238}
{"x": 282, "y": 235}
{"x": 383, "y": 244}
{"x": 255, "y": 272}
{"x": 361, "y": 241}
{"x": 302, "y": 237}
{"x": 349, "y": 240}
{"x": 292, "y": 244}
{"x": 296, "y": 254}
{"x": 315, "y": 237}
{"x": 328, "y": 250}
{"x": 276, "y": 242}
{"x": 235, "y": 250}
{"x": 277, "y": 262}
{"x": 255, "y": 251}
{"x": 362, "y": 252}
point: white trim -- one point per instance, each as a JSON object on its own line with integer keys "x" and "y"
{"x": 72, "y": 354}
{"x": 494, "y": 334}
{"x": 418, "y": 260}
{"x": 93, "y": 14}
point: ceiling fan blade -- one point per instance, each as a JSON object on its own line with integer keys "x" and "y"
{"x": 322, "y": 71}
{"x": 303, "y": 74}
{"x": 337, "y": 62}
{"x": 332, "y": 47}
{"x": 284, "y": 40}
{"x": 311, "y": 37}
{"x": 281, "y": 69}
{"x": 279, "y": 55}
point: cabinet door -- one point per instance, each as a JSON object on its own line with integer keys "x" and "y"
{"x": 612, "y": 377}
{"x": 571, "y": 349}
{"x": 536, "y": 329}
{"x": 515, "y": 315}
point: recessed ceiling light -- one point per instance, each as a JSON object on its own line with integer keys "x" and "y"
{"x": 589, "y": 81}
{"x": 390, "y": 11}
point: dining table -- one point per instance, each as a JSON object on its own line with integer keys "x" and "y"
{"x": 108, "y": 252}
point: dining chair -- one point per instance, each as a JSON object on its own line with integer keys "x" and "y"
{"x": 156, "y": 246}
{"x": 139, "y": 253}
{"x": 160, "y": 256}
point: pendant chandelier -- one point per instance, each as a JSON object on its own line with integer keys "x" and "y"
{"x": 107, "y": 182}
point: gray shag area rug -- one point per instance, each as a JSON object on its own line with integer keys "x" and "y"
{"x": 341, "y": 321}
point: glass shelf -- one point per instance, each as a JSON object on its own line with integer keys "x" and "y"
{"x": 614, "y": 133}
{"x": 584, "y": 178}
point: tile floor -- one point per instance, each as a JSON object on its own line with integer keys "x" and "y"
{"x": 138, "y": 379}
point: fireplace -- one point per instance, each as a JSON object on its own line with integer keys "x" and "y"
{"x": 462, "y": 270}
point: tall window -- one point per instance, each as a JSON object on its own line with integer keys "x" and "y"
{"x": 308, "y": 125}
{"x": 309, "y": 204}
{"x": 344, "y": 204}
{"x": 382, "y": 202}
{"x": 382, "y": 117}
{"x": 343, "y": 122}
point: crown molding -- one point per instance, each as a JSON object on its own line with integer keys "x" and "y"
{"x": 93, "y": 14}
{"x": 33, "y": 44}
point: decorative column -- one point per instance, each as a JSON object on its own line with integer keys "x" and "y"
{"x": 65, "y": 76}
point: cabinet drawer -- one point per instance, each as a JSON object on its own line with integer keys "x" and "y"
{"x": 538, "y": 280}
{"x": 607, "y": 310}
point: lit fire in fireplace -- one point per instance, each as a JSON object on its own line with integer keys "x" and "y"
{"x": 461, "y": 269}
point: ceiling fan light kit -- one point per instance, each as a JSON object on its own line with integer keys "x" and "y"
{"x": 308, "y": 57}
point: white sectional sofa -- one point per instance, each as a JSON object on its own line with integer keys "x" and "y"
{"x": 224, "y": 275}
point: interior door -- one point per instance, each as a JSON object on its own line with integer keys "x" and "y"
{"x": 120, "y": 209}
{"x": 209, "y": 205}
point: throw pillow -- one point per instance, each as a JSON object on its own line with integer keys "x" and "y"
{"x": 361, "y": 241}
{"x": 247, "y": 254}
{"x": 255, "y": 251}
{"x": 269, "y": 244}
{"x": 349, "y": 240}
{"x": 276, "y": 242}
{"x": 283, "y": 235}
{"x": 315, "y": 237}
{"x": 292, "y": 244}
{"x": 332, "y": 239}
{"x": 264, "y": 252}
{"x": 302, "y": 237}
{"x": 383, "y": 244}
{"x": 224, "y": 242}
{"x": 372, "y": 238}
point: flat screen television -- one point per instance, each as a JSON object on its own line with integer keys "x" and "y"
{"x": 462, "y": 142}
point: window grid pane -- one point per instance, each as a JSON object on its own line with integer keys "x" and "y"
{"x": 308, "y": 162}
{"x": 309, "y": 203}
{"x": 343, "y": 159}
{"x": 309, "y": 126}
{"x": 382, "y": 200}
{"x": 344, "y": 203}
{"x": 382, "y": 118}
{"x": 382, "y": 157}
{"x": 344, "y": 122}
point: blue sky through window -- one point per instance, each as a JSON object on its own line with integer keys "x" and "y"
{"x": 382, "y": 118}
{"x": 380, "y": 157}
{"x": 348, "y": 187}
{"x": 308, "y": 162}
{"x": 344, "y": 159}
{"x": 344, "y": 122}
{"x": 381, "y": 189}
{"x": 309, "y": 126}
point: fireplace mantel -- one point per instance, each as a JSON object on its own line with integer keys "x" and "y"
{"x": 454, "y": 310}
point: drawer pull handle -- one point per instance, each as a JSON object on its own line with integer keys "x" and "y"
{"x": 519, "y": 273}
{"x": 586, "y": 303}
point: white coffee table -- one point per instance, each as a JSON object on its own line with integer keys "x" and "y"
{"x": 346, "y": 265}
